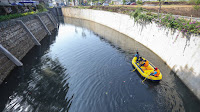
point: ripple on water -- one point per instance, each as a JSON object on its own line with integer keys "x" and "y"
{"x": 83, "y": 71}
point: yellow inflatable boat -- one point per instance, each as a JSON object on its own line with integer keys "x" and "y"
{"x": 146, "y": 71}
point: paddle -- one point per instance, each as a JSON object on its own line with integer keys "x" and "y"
{"x": 133, "y": 70}
{"x": 146, "y": 78}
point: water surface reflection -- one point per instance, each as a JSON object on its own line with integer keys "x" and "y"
{"x": 39, "y": 85}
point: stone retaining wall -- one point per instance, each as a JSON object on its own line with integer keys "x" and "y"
{"x": 180, "y": 52}
{"x": 17, "y": 40}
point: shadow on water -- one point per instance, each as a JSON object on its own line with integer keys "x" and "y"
{"x": 61, "y": 20}
{"x": 170, "y": 92}
{"x": 28, "y": 87}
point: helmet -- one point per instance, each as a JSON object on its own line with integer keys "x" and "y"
{"x": 156, "y": 68}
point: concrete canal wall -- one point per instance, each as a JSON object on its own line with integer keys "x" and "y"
{"x": 181, "y": 53}
{"x": 17, "y": 40}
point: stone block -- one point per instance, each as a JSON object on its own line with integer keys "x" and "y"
{"x": 17, "y": 40}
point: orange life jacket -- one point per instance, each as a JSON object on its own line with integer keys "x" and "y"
{"x": 146, "y": 64}
{"x": 158, "y": 73}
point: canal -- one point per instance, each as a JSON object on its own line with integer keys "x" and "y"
{"x": 86, "y": 67}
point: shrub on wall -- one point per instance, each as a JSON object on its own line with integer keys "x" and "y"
{"x": 184, "y": 26}
{"x": 41, "y": 8}
{"x": 138, "y": 15}
{"x": 12, "y": 16}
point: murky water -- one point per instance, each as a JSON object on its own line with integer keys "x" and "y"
{"x": 86, "y": 67}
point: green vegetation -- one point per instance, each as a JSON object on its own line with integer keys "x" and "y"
{"x": 12, "y": 16}
{"x": 124, "y": 1}
{"x": 82, "y": 7}
{"x": 196, "y": 6}
{"x": 184, "y": 26}
{"x": 102, "y": 1}
{"x": 194, "y": 1}
{"x": 143, "y": 15}
{"x": 132, "y": 0}
{"x": 139, "y": 16}
{"x": 139, "y": 2}
{"x": 110, "y": 10}
{"x": 40, "y": 8}
{"x": 112, "y": 3}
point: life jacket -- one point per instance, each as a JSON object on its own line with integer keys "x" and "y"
{"x": 158, "y": 73}
{"x": 146, "y": 64}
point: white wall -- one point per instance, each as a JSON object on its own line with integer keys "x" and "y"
{"x": 180, "y": 53}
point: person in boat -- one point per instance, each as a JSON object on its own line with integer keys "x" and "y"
{"x": 156, "y": 72}
{"x": 145, "y": 63}
{"x": 140, "y": 60}
{"x": 137, "y": 55}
